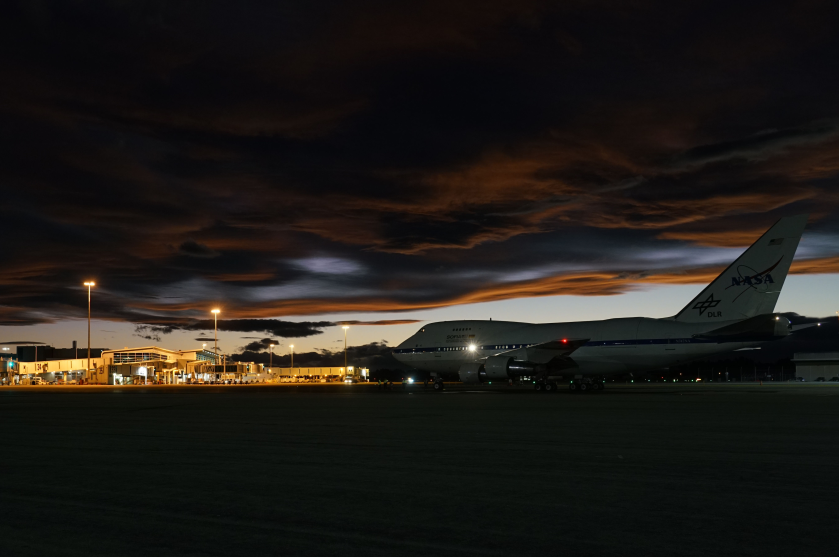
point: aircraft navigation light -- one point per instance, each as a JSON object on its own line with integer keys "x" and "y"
{"x": 565, "y": 340}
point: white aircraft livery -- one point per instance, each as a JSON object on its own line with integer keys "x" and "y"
{"x": 735, "y": 311}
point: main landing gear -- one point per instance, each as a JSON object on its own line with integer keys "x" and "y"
{"x": 545, "y": 386}
{"x": 586, "y": 385}
{"x": 438, "y": 385}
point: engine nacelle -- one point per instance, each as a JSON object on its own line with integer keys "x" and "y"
{"x": 471, "y": 373}
{"x": 505, "y": 367}
{"x": 496, "y": 367}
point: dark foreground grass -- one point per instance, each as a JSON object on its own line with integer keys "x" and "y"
{"x": 351, "y": 470}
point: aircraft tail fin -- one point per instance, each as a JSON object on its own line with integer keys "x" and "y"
{"x": 751, "y": 285}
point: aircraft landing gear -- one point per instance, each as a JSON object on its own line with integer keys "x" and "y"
{"x": 438, "y": 385}
{"x": 585, "y": 385}
{"x": 542, "y": 385}
{"x": 550, "y": 387}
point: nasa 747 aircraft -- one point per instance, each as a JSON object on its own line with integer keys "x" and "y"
{"x": 735, "y": 311}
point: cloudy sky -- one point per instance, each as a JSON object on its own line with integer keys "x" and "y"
{"x": 387, "y": 163}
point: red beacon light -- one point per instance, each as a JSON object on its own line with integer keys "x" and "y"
{"x": 565, "y": 340}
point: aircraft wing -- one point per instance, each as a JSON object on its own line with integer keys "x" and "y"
{"x": 546, "y": 351}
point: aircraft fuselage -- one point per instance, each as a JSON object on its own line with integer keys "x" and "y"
{"x": 613, "y": 346}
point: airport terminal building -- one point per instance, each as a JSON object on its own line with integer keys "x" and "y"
{"x": 129, "y": 366}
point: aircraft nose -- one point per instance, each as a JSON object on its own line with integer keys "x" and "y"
{"x": 407, "y": 343}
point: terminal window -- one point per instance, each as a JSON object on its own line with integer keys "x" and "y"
{"x": 133, "y": 357}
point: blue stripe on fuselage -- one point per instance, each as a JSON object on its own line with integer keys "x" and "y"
{"x": 637, "y": 342}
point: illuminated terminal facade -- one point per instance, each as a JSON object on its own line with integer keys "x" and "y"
{"x": 152, "y": 364}
{"x": 129, "y": 366}
{"x": 160, "y": 365}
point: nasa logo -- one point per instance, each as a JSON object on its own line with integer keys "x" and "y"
{"x": 754, "y": 278}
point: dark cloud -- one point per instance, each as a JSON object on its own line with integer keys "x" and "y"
{"x": 259, "y": 345}
{"x": 761, "y": 145}
{"x": 194, "y": 249}
{"x": 277, "y": 327}
{"x": 151, "y": 332}
{"x": 381, "y": 322}
{"x": 390, "y": 157}
{"x": 22, "y": 342}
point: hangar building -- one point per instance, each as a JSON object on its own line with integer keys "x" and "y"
{"x": 813, "y": 365}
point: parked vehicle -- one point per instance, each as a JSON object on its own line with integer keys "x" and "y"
{"x": 37, "y": 381}
{"x": 819, "y": 380}
{"x": 834, "y": 379}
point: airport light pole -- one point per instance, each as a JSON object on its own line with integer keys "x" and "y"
{"x": 292, "y": 359}
{"x": 215, "y": 332}
{"x": 345, "y": 327}
{"x": 271, "y": 359}
{"x": 89, "y": 285}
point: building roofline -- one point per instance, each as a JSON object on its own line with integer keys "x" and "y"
{"x": 155, "y": 348}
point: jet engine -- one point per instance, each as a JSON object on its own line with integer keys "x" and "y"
{"x": 498, "y": 368}
{"x": 505, "y": 367}
{"x": 471, "y": 373}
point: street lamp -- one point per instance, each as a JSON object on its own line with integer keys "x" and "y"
{"x": 345, "y": 327}
{"x": 89, "y": 284}
{"x": 215, "y": 328}
{"x": 271, "y": 359}
{"x": 292, "y": 359}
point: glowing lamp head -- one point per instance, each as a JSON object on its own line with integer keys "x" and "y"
{"x": 90, "y": 283}
{"x": 291, "y": 345}
{"x": 216, "y": 311}
{"x": 345, "y": 327}
{"x": 471, "y": 348}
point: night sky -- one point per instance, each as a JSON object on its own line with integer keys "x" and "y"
{"x": 390, "y": 163}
